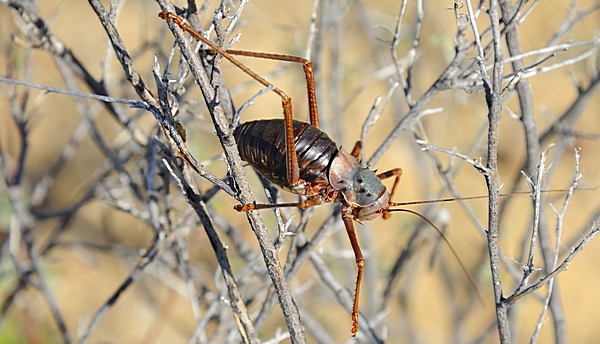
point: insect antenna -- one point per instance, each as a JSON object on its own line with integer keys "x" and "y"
{"x": 386, "y": 214}
{"x": 462, "y": 266}
{"x": 468, "y": 198}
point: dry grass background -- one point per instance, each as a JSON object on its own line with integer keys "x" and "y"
{"x": 101, "y": 243}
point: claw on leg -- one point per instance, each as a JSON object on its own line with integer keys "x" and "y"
{"x": 245, "y": 207}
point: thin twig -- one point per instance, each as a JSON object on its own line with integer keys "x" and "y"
{"x": 559, "y": 226}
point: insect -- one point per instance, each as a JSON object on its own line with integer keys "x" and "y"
{"x": 322, "y": 172}
{"x": 300, "y": 157}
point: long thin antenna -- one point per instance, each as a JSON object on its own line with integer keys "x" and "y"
{"x": 442, "y": 200}
{"x": 462, "y": 266}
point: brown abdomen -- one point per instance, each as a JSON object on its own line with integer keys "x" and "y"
{"x": 262, "y": 144}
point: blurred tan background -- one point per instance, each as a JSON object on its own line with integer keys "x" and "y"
{"x": 156, "y": 308}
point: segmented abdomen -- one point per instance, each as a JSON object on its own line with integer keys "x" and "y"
{"x": 262, "y": 144}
